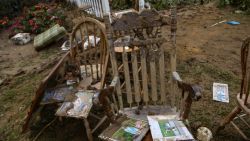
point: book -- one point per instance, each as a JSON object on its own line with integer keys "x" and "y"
{"x": 56, "y": 95}
{"x": 168, "y": 128}
{"x": 126, "y": 129}
{"x": 80, "y": 107}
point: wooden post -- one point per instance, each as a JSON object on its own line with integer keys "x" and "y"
{"x": 111, "y": 52}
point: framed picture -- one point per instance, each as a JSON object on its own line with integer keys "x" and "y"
{"x": 220, "y": 92}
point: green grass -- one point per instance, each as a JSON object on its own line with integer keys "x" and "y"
{"x": 16, "y": 98}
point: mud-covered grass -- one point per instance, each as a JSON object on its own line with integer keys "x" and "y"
{"x": 15, "y": 99}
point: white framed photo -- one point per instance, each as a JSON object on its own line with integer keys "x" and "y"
{"x": 220, "y": 92}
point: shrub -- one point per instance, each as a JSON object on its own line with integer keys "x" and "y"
{"x": 37, "y": 19}
{"x": 241, "y": 4}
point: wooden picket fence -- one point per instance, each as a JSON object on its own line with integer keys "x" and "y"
{"x": 98, "y": 7}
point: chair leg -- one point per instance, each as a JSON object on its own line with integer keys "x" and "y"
{"x": 228, "y": 118}
{"x": 99, "y": 124}
{"x": 88, "y": 130}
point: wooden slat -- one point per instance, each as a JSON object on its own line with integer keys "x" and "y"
{"x": 239, "y": 130}
{"x": 162, "y": 75}
{"x": 173, "y": 52}
{"x": 120, "y": 67}
{"x": 102, "y": 55}
{"x": 173, "y": 69}
{"x": 144, "y": 76}
{"x": 82, "y": 30}
{"x": 91, "y": 65}
{"x": 96, "y": 54}
{"x": 122, "y": 85}
{"x": 105, "y": 71}
{"x": 127, "y": 77}
{"x": 136, "y": 76}
{"x": 153, "y": 78}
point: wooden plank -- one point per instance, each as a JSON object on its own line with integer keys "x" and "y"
{"x": 136, "y": 76}
{"x": 144, "y": 75}
{"x": 153, "y": 78}
{"x": 162, "y": 75}
{"x": 127, "y": 76}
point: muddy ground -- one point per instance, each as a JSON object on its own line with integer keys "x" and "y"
{"x": 205, "y": 55}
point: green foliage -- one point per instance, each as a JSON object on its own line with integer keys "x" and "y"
{"x": 241, "y": 4}
{"x": 121, "y": 4}
{"x": 163, "y": 4}
{"x": 37, "y": 19}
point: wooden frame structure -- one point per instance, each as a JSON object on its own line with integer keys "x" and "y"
{"x": 243, "y": 100}
{"x": 146, "y": 68}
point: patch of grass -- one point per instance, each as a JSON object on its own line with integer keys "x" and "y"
{"x": 207, "y": 111}
{"x": 18, "y": 94}
{"x": 46, "y": 53}
{"x": 200, "y": 70}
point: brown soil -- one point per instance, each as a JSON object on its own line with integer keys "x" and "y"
{"x": 205, "y": 55}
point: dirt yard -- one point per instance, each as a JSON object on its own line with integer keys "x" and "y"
{"x": 205, "y": 55}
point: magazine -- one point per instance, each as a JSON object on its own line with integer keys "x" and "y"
{"x": 168, "y": 128}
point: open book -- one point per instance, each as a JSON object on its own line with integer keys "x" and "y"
{"x": 126, "y": 129}
{"x": 167, "y": 128}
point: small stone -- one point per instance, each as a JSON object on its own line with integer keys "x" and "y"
{"x": 204, "y": 134}
{"x": 21, "y": 108}
{"x": 1, "y": 81}
{"x": 1, "y": 115}
{"x": 238, "y": 12}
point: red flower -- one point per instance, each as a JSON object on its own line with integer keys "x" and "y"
{"x": 37, "y": 7}
{"x": 3, "y": 22}
{"x": 31, "y": 22}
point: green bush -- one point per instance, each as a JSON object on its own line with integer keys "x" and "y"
{"x": 241, "y": 4}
